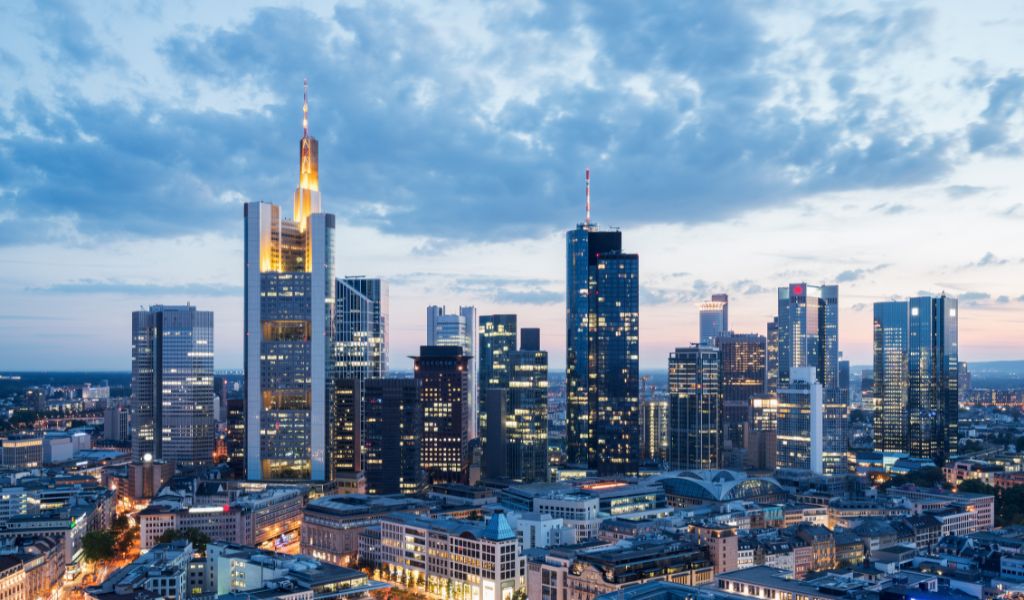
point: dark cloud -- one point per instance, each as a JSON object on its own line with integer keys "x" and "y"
{"x": 152, "y": 290}
{"x": 402, "y": 127}
{"x": 68, "y": 38}
{"x": 974, "y": 297}
{"x": 991, "y": 135}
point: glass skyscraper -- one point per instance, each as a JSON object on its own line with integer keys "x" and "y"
{"x": 916, "y": 373}
{"x": 800, "y": 422}
{"x": 497, "y": 341}
{"x": 527, "y": 425}
{"x": 447, "y": 329}
{"x": 808, "y": 336}
{"x": 289, "y": 330}
{"x": 743, "y": 377}
{"x": 694, "y": 408}
{"x": 172, "y": 385}
{"x": 602, "y": 351}
{"x": 443, "y": 378}
{"x": 714, "y": 318}
{"x": 361, "y": 328}
{"x": 392, "y": 430}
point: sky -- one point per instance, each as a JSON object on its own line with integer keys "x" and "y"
{"x": 739, "y": 146}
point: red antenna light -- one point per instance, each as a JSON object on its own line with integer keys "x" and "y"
{"x": 588, "y": 196}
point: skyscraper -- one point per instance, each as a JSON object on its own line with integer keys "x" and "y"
{"x": 714, "y": 318}
{"x": 289, "y": 330}
{"x": 361, "y": 328}
{"x": 345, "y": 428}
{"x": 801, "y": 422}
{"x": 442, "y": 375}
{"x": 446, "y": 329}
{"x": 172, "y": 385}
{"x": 771, "y": 356}
{"x": 694, "y": 408}
{"x": 393, "y": 428}
{"x": 743, "y": 377}
{"x": 808, "y": 335}
{"x": 760, "y": 434}
{"x": 497, "y": 341}
{"x": 602, "y": 350}
{"x": 653, "y": 426}
{"x": 916, "y": 373}
{"x": 527, "y": 427}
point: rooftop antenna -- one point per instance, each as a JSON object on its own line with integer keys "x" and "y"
{"x": 588, "y": 196}
{"x": 305, "y": 108}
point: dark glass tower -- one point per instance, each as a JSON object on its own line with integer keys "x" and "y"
{"x": 496, "y": 344}
{"x": 442, "y": 374}
{"x": 694, "y": 408}
{"x": 714, "y": 318}
{"x": 808, "y": 336}
{"x": 392, "y": 430}
{"x": 932, "y": 375}
{"x": 602, "y": 351}
{"x": 890, "y": 345}
{"x": 527, "y": 431}
{"x": 172, "y": 384}
{"x": 743, "y": 377}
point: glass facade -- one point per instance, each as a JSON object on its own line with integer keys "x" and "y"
{"x": 714, "y": 318}
{"x": 808, "y": 336}
{"x": 172, "y": 385}
{"x": 800, "y": 425}
{"x": 361, "y": 328}
{"x": 392, "y": 429}
{"x": 890, "y": 339}
{"x": 602, "y": 352}
{"x": 527, "y": 416}
{"x": 460, "y": 329}
{"x": 497, "y": 342}
{"x": 442, "y": 374}
{"x": 694, "y": 408}
{"x": 743, "y": 377}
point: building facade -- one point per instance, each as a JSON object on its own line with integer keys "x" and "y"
{"x": 459, "y": 329}
{"x": 361, "y": 328}
{"x": 172, "y": 384}
{"x": 694, "y": 413}
{"x": 743, "y": 371}
{"x": 602, "y": 351}
{"x": 714, "y": 318}
{"x": 392, "y": 430}
{"x": 442, "y": 373}
{"x": 800, "y": 422}
{"x": 289, "y": 330}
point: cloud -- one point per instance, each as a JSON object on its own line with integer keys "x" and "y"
{"x": 890, "y": 209}
{"x": 474, "y": 133}
{"x": 988, "y": 260}
{"x": 510, "y": 291}
{"x": 957, "y": 192}
{"x": 974, "y": 298}
{"x": 851, "y": 275}
{"x": 154, "y": 290}
{"x": 992, "y": 133}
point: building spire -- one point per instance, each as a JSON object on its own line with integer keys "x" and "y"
{"x": 305, "y": 108}
{"x": 588, "y": 196}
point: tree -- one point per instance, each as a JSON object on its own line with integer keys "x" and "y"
{"x": 1010, "y": 506}
{"x": 974, "y": 486}
{"x": 98, "y": 546}
{"x": 197, "y": 538}
{"x": 927, "y": 477}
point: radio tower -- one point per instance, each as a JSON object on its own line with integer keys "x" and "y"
{"x": 588, "y": 197}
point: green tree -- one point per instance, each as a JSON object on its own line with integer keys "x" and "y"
{"x": 98, "y": 546}
{"x": 196, "y": 537}
{"x": 928, "y": 477}
{"x": 973, "y": 486}
{"x": 1010, "y": 506}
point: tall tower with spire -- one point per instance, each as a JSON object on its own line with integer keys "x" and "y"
{"x": 289, "y": 330}
{"x": 602, "y": 349}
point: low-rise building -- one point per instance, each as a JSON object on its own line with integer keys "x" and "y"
{"x": 160, "y": 573}
{"x": 332, "y": 525}
{"x": 596, "y": 573}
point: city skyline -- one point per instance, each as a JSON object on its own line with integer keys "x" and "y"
{"x": 875, "y": 217}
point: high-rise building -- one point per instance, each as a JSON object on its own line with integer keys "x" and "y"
{"x": 800, "y": 422}
{"x": 694, "y": 408}
{"x": 497, "y": 341}
{"x": 844, "y": 380}
{"x": 714, "y": 318}
{"x": 345, "y": 432}
{"x": 742, "y": 357}
{"x": 527, "y": 425}
{"x": 392, "y": 429}
{"x": 117, "y": 421}
{"x": 760, "y": 434}
{"x": 235, "y": 437}
{"x": 771, "y": 356}
{"x": 172, "y": 385}
{"x": 916, "y": 377}
{"x": 809, "y": 337}
{"x": 442, "y": 374}
{"x": 654, "y": 427}
{"x": 602, "y": 351}
{"x": 289, "y": 330}
{"x": 361, "y": 328}
{"x": 447, "y": 329}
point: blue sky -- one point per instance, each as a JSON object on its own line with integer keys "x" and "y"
{"x": 738, "y": 145}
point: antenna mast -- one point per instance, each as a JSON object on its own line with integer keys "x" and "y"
{"x": 588, "y": 196}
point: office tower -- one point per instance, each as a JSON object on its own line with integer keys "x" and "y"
{"x": 653, "y": 426}
{"x": 771, "y": 356}
{"x": 801, "y": 422}
{"x": 117, "y": 421}
{"x": 235, "y": 438}
{"x": 844, "y": 380}
{"x": 392, "y": 429}
{"x": 442, "y": 373}
{"x": 446, "y": 329}
{"x": 526, "y": 432}
{"x": 916, "y": 377}
{"x": 497, "y": 341}
{"x": 890, "y": 345}
{"x": 809, "y": 337}
{"x": 963, "y": 386}
{"x": 742, "y": 357}
{"x": 602, "y": 351}
{"x": 714, "y": 318}
{"x": 346, "y": 425}
{"x": 289, "y": 330}
{"x": 760, "y": 433}
{"x": 172, "y": 385}
{"x": 694, "y": 408}
{"x": 361, "y": 328}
